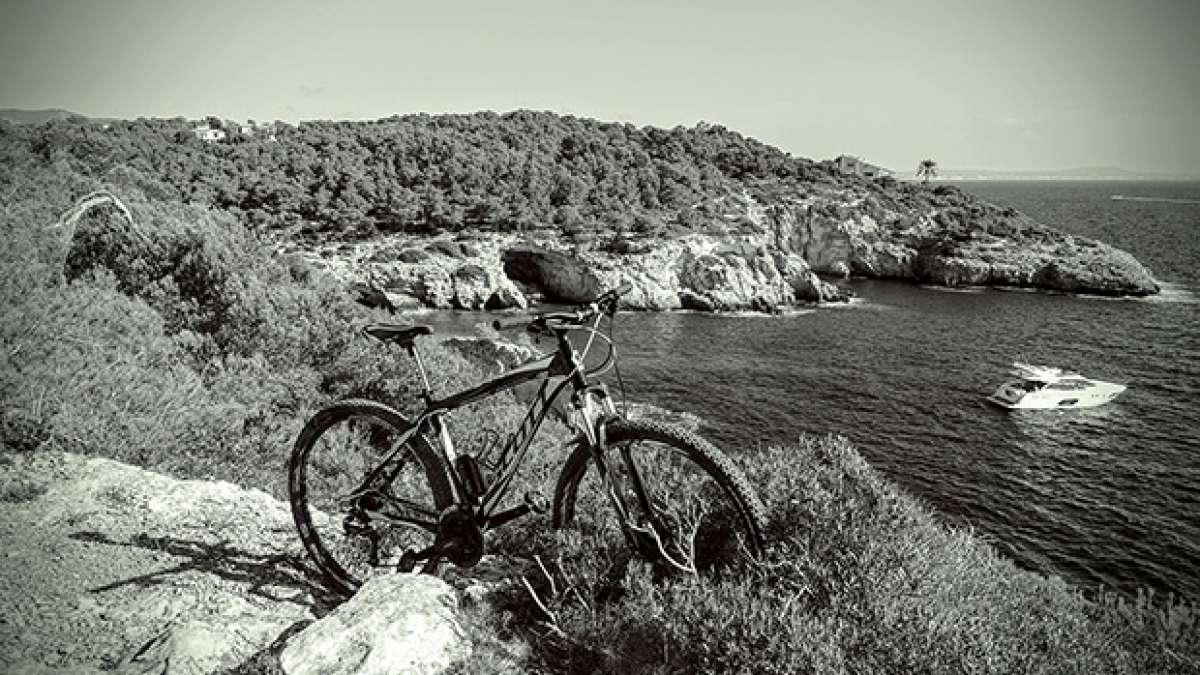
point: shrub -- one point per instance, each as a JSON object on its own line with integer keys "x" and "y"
{"x": 859, "y": 579}
{"x": 190, "y": 350}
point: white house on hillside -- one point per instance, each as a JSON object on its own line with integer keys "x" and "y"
{"x": 852, "y": 165}
{"x": 207, "y": 133}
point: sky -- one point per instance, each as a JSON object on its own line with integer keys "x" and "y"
{"x": 996, "y": 84}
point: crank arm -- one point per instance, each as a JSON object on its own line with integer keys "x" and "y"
{"x": 431, "y": 557}
{"x": 532, "y": 504}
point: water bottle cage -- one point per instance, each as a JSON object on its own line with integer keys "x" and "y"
{"x": 469, "y": 474}
{"x": 493, "y": 452}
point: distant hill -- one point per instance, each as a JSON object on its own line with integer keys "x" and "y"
{"x": 1078, "y": 173}
{"x": 20, "y": 116}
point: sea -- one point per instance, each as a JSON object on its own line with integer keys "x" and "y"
{"x": 1107, "y": 496}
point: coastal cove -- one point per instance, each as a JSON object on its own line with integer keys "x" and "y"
{"x": 1099, "y": 496}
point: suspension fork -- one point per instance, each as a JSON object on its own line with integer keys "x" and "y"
{"x": 591, "y": 420}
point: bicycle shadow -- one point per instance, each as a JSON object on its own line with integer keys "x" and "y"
{"x": 279, "y": 578}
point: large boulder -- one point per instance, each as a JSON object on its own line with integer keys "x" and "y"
{"x": 561, "y": 277}
{"x": 401, "y": 623}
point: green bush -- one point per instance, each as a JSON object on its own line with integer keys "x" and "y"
{"x": 859, "y": 579}
{"x": 184, "y": 345}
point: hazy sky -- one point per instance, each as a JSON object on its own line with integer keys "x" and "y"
{"x": 1004, "y": 84}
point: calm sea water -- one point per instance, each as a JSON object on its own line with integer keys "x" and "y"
{"x": 1109, "y": 495}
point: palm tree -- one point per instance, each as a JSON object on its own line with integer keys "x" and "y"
{"x": 927, "y": 169}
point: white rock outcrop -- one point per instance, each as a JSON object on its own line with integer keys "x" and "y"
{"x": 402, "y": 623}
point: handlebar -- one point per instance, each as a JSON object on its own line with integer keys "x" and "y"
{"x": 605, "y": 303}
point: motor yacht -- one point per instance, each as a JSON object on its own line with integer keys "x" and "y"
{"x": 1045, "y": 387}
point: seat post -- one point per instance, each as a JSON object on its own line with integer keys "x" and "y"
{"x": 411, "y": 347}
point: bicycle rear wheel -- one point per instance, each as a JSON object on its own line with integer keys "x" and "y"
{"x": 691, "y": 507}
{"x": 360, "y": 495}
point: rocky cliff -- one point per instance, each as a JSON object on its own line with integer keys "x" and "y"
{"x": 768, "y": 255}
{"x": 944, "y": 236}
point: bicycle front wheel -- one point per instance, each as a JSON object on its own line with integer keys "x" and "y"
{"x": 362, "y": 493}
{"x": 688, "y": 506}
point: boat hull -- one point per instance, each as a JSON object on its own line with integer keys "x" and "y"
{"x": 1098, "y": 393}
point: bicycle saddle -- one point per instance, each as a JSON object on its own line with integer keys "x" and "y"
{"x": 401, "y": 335}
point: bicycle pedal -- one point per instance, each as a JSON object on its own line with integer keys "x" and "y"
{"x": 353, "y": 526}
{"x": 535, "y": 502}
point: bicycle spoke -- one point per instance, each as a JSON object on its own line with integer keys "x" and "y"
{"x": 639, "y": 487}
{"x": 679, "y": 501}
{"x": 366, "y": 497}
{"x": 409, "y": 514}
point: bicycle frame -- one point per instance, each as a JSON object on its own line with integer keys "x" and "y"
{"x": 565, "y": 363}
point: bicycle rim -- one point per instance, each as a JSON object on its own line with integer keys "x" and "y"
{"x": 350, "y": 472}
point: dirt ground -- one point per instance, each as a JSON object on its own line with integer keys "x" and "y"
{"x": 102, "y": 560}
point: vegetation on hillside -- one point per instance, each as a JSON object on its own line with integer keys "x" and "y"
{"x": 421, "y": 173}
{"x": 185, "y": 345}
{"x": 182, "y": 344}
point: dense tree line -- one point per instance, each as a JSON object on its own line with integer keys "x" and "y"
{"x": 417, "y": 173}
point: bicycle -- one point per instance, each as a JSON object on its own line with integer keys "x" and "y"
{"x": 373, "y": 492}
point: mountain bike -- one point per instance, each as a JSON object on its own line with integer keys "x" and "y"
{"x": 374, "y": 492}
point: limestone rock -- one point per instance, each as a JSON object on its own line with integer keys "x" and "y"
{"x": 506, "y": 296}
{"x": 35, "y": 668}
{"x": 953, "y": 240}
{"x": 560, "y": 276}
{"x": 394, "y": 624}
{"x": 759, "y": 255}
{"x": 472, "y": 287}
{"x": 212, "y": 644}
{"x": 436, "y": 288}
{"x": 699, "y": 302}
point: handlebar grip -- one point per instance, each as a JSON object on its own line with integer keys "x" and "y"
{"x": 510, "y": 325}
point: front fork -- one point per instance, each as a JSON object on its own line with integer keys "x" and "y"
{"x": 593, "y": 409}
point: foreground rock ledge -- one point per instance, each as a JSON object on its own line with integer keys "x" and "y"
{"x": 110, "y": 567}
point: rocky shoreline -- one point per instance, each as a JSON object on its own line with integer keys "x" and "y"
{"x": 770, "y": 255}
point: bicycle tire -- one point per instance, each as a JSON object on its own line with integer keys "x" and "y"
{"x": 749, "y": 519}
{"x": 341, "y": 436}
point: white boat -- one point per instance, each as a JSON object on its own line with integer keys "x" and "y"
{"x": 1043, "y": 387}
